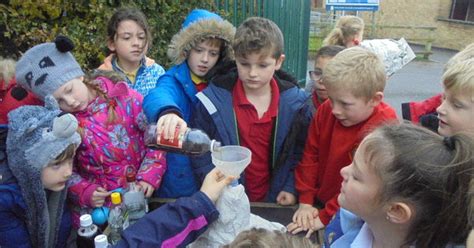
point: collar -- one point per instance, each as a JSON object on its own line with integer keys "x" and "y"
{"x": 128, "y": 74}
{"x": 241, "y": 99}
{"x": 196, "y": 79}
{"x": 365, "y": 237}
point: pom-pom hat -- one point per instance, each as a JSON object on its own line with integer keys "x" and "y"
{"x": 47, "y": 66}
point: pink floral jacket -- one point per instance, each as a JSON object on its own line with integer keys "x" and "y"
{"x": 107, "y": 150}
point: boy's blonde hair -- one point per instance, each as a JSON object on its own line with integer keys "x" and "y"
{"x": 458, "y": 73}
{"x": 356, "y": 70}
{"x": 346, "y": 27}
{"x": 7, "y": 69}
{"x": 459, "y": 77}
{"x": 263, "y": 238}
{"x": 258, "y": 35}
{"x": 466, "y": 53}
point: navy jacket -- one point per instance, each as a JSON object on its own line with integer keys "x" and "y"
{"x": 172, "y": 225}
{"x": 214, "y": 114}
{"x": 13, "y": 219}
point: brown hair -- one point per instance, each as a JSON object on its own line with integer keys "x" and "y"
{"x": 429, "y": 172}
{"x": 357, "y": 70}
{"x": 263, "y": 238}
{"x": 258, "y": 34}
{"x": 328, "y": 51}
{"x": 131, "y": 14}
{"x": 346, "y": 28}
{"x": 68, "y": 153}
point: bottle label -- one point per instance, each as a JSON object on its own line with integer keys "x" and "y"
{"x": 177, "y": 141}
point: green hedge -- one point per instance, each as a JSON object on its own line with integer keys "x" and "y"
{"x": 24, "y": 24}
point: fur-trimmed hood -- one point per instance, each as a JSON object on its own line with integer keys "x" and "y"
{"x": 198, "y": 26}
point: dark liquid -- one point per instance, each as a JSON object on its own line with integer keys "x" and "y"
{"x": 85, "y": 242}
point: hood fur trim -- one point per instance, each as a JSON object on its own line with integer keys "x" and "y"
{"x": 186, "y": 38}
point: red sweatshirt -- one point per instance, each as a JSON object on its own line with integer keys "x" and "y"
{"x": 329, "y": 147}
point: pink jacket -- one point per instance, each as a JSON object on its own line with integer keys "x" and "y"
{"x": 107, "y": 151}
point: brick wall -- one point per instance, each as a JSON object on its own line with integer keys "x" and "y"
{"x": 449, "y": 34}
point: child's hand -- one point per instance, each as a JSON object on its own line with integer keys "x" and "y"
{"x": 315, "y": 226}
{"x": 146, "y": 188}
{"x": 214, "y": 183}
{"x": 168, "y": 124}
{"x": 98, "y": 197}
{"x": 304, "y": 215}
{"x": 285, "y": 198}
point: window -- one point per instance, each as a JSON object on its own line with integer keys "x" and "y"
{"x": 462, "y": 10}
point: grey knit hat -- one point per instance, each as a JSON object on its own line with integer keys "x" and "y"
{"x": 36, "y": 134}
{"x": 46, "y": 67}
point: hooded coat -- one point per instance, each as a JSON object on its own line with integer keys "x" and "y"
{"x": 30, "y": 215}
{"x": 175, "y": 92}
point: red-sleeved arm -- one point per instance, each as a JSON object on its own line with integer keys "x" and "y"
{"x": 306, "y": 173}
{"x": 329, "y": 210}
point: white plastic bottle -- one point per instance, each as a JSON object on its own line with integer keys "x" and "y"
{"x": 100, "y": 241}
{"x": 87, "y": 232}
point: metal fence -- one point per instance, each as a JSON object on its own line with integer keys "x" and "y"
{"x": 292, "y": 16}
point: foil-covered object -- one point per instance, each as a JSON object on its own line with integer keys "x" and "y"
{"x": 394, "y": 53}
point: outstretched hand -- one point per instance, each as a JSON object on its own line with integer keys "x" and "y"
{"x": 214, "y": 183}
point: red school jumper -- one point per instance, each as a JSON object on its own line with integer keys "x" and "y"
{"x": 328, "y": 149}
{"x": 255, "y": 134}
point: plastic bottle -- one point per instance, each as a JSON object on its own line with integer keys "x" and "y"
{"x": 193, "y": 142}
{"x": 134, "y": 199}
{"x": 100, "y": 241}
{"x": 87, "y": 232}
{"x": 118, "y": 218}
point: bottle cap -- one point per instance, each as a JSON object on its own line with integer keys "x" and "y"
{"x": 100, "y": 241}
{"x": 86, "y": 220}
{"x": 115, "y": 197}
{"x": 215, "y": 145}
{"x": 130, "y": 175}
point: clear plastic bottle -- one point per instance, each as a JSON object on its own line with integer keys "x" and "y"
{"x": 134, "y": 199}
{"x": 118, "y": 218}
{"x": 87, "y": 232}
{"x": 100, "y": 241}
{"x": 193, "y": 142}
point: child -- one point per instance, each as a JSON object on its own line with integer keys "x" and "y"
{"x": 456, "y": 112}
{"x": 257, "y": 106}
{"x": 315, "y": 87}
{"x": 11, "y": 97}
{"x": 259, "y": 237}
{"x": 111, "y": 123}
{"x": 128, "y": 39}
{"x": 355, "y": 81}
{"x": 424, "y": 112}
{"x": 40, "y": 148}
{"x": 348, "y": 32}
{"x": 410, "y": 186}
{"x": 203, "y": 42}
